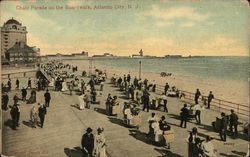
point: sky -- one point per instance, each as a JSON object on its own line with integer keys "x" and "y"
{"x": 158, "y": 27}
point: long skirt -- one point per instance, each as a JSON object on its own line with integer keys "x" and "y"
{"x": 64, "y": 87}
{"x": 81, "y": 103}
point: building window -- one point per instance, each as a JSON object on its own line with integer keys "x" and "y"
{"x": 6, "y": 38}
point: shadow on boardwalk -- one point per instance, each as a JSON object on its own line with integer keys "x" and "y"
{"x": 167, "y": 153}
{"x": 117, "y": 121}
{"x": 8, "y": 123}
{"x": 234, "y": 152}
{"x": 211, "y": 129}
{"x": 100, "y": 110}
{"x": 75, "y": 152}
{"x": 27, "y": 123}
{"x": 239, "y": 153}
{"x": 141, "y": 136}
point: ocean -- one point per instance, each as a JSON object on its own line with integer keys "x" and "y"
{"x": 221, "y": 68}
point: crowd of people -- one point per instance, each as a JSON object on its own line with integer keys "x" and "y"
{"x": 38, "y": 110}
{"x": 140, "y": 92}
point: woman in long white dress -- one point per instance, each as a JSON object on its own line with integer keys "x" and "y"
{"x": 34, "y": 116}
{"x": 157, "y": 132}
{"x": 81, "y": 102}
{"x": 128, "y": 115}
{"x": 64, "y": 86}
{"x": 100, "y": 146}
{"x": 52, "y": 83}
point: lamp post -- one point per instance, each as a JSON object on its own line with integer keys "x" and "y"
{"x": 90, "y": 66}
{"x": 139, "y": 69}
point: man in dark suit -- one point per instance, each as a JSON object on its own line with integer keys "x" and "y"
{"x": 47, "y": 98}
{"x": 223, "y": 127}
{"x": 184, "y": 116}
{"x": 24, "y": 94}
{"x": 166, "y": 88}
{"x": 209, "y": 99}
{"x": 145, "y": 101}
{"x": 15, "y": 115}
{"x": 5, "y": 100}
{"x": 15, "y": 98}
{"x": 42, "y": 111}
{"x": 233, "y": 123}
{"x": 17, "y": 83}
{"x": 29, "y": 83}
{"x": 9, "y": 84}
{"x": 196, "y": 96}
{"x": 88, "y": 142}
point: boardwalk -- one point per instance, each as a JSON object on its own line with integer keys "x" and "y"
{"x": 65, "y": 124}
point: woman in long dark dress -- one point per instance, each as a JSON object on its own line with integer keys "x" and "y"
{"x": 32, "y": 98}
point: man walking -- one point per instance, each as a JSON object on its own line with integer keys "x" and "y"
{"x": 9, "y": 84}
{"x": 29, "y": 83}
{"x": 184, "y": 116}
{"x": 136, "y": 83}
{"x": 24, "y": 94}
{"x": 197, "y": 109}
{"x": 223, "y": 127}
{"x": 196, "y": 96}
{"x": 15, "y": 99}
{"x": 17, "y": 84}
{"x": 15, "y": 115}
{"x": 5, "y": 100}
{"x": 165, "y": 102}
{"x": 233, "y": 123}
{"x": 42, "y": 111}
{"x": 166, "y": 89}
{"x": 209, "y": 99}
{"x": 88, "y": 142}
{"x": 47, "y": 98}
{"x": 145, "y": 98}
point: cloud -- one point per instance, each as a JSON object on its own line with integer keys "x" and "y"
{"x": 156, "y": 42}
{"x": 177, "y": 12}
{"x": 221, "y": 45}
{"x": 164, "y": 24}
{"x": 188, "y": 24}
{"x": 87, "y": 22}
{"x": 219, "y": 42}
{"x": 210, "y": 23}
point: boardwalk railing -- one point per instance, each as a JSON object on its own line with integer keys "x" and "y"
{"x": 216, "y": 104}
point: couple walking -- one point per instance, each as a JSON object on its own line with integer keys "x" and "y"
{"x": 37, "y": 112}
{"x": 94, "y": 145}
{"x": 84, "y": 100}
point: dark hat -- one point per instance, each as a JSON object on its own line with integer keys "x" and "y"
{"x": 89, "y": 130}
{"x": 100, "y": 130}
